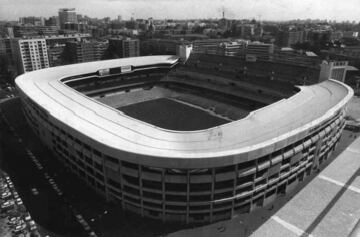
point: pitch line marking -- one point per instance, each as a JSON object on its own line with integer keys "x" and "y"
{"x": 291, "y": 227}
{"x": 350, "y": 187}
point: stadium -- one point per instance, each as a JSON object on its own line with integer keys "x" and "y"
{"x": 175, "y": 142}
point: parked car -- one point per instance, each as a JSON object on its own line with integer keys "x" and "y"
{"x": 5, "y": 190}
{"x": 5, "y": 195}
{"x": 92, "y": 234}
{"x": 19, "y": 201}
{"x": 18, "y": 228}
{"x": 27, "y": 217}
{"x": 7, "y": 205}
{"x": 34, "y": 191}
{"x": 11, "y": 185}
{"x": 3, "y": 186}
{"x": 13, "y": 220}
{"x": 15, "y": 195}
{"x": 32, "y": 226}
{"x": 17, "y": 222}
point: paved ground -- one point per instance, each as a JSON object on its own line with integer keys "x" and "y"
{"x": 354, "y": 108}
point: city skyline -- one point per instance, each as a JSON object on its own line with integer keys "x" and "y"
{"x": 278, "y": 10}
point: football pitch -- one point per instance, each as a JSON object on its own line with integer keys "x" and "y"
{"x": 170, "y": 114}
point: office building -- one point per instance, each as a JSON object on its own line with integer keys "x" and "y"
{"x": 247, "y": 31}
{"x": 34, "y": 31}
{"x": 235, "y": 48}
{"x": 294, "y": 57}
{"x": 62, "y": 39}
{"x": 208, "y": 46}
{"x": 67, "y": 15}
{"x": 161, "y": 46}
{"x": 52, "y": 21}
{"x": 350, "y": 34}
{"x": 259, "y": 50}
{"x": 32, "y": 20}
{"x": 335, "y": 70}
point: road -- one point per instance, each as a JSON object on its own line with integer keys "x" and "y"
{"x": 47, "y": 208}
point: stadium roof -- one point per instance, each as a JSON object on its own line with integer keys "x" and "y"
{"x": 261, "y": 128}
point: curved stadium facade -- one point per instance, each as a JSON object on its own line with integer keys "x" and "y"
{"x": 170, "y": 142}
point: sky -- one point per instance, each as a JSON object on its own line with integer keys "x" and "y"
{"x": 338, "y": 10}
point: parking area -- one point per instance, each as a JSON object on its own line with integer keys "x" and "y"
{"x": 15, "y": 219}
{"x": 7, "y": 91}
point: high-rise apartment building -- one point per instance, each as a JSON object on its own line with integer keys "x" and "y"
{"x": 296, "y": 37}
{"x": 55, "y": 54}
{"x": 66, "y": 16}
{"x": 124, "y": 48}
{"x": 56, "y": 46}
{"x": 5, "y": 47}
{"x": 85, "y": 51}
{"x": 29, "y": 54}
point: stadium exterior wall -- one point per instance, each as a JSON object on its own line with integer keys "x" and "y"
{"x": 198, "y": 189}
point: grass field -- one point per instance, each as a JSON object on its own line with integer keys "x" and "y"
{"x": 173, "y": 115}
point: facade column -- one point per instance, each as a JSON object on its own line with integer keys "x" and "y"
{"x": 141, "y": 190}
{"x": 212, "y": 193}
